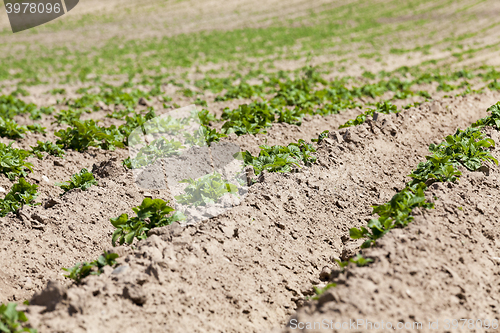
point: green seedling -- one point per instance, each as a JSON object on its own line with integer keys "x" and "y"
{"x": 12, "y": 321}
{"x": 12, "y": 161}
{"x": 279, "y": 158}
{"x": 215, "y": 85}
{"x": 82, "y": 270}
{"x": 84, "y": 134}
{"x": 323, "y": 135}
{"x": 381, "y": 107}
{"x": 205, "y": 190}
{"x": 320, "y": 291}
{"x": 36, "y": 114}
{"x": 394, "y": 214}
{"x": 10, "y": 129}
{"x": 467, "y": 148}
{"x": 135, "y": 121}
{"x": 67, "y": 116}
{"x": 205, "y": 117}
{"x": 82, "y": 180}
{"x": 157, "y": 149}
{"x": 36, "y": 128}
{"x": 243, "y": 90}
{"x": 152, "y": 213}
{"x": 203, "y": 136}
{"x": 250, "y": 118}
{"x": 47, "y": 147}
{"x": 11, "y": 106}
{"x": 201, "y": 102}
{"x": 19, "y": 91}
{"x": 491, "y": 120}
{"x": 22, "y": 193}
{"x": 359, "y": 260}
{"x": 57, "y": 91}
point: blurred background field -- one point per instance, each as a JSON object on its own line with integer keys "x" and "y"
{"x": 156, "y": 37}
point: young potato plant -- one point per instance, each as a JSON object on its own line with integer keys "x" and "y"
{"x": 215, "y": 85}
{"x": 157, "y": 149}
{"x": 47, "y": 147}
{"x": 110, "y": 95}
{"x": 205, "y": 117}
{"x": 12, "y": 161}
{"x": 205, "y": 190}
{"x": 381, "y": 107}
{"x": 57, "y": 91}
{"x": 323, "y": 135}
{"x": 19, "y": 91}
{"x": 243, "y": 90}
{"x": 84, "y": 134}
{"x": 37, "y": 113}
{"x": 22, "y": 193}
{"x": 10, "y": 106}
{"x": 467, "y": 148}
{"x": 279, "y": 158}
{"x": 359, "y": 260}
{"x": 133, "y": 122}
{"x": 298, "y": 92}
{"x": 13, "y": 321}
{"x": 250, "y": 118}
{"x": 203, "y": 136}
{"x": 491, "y": 120}
{"x": 152, "y": 213}
{"x": 82, "y": 180}
{"x": 437, "y": 168}
{"x": 36, "y": 128}
{"x": 394, "y": 214}
{"x": 10, "y": 129}
{"x": 82, "y": 270}
{"x": 67, "y": 116}
{"x": 320, "y": 291}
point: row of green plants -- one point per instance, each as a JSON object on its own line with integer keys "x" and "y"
{"x": 293, "y": 99}
{"x": 12, "y": 164}
{"x": 23, "y": 193}
{"x": 468, "y": 148}
{"x": 383, "y": 107}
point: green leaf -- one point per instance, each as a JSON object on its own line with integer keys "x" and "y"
{"x": 119, "y": 221}
{"x": 355, "y": 233}
{"x": 116, "y": 234}
{"x": 129, "y": 238}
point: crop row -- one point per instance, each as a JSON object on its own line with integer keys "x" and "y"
{"x": 468, "y": 148}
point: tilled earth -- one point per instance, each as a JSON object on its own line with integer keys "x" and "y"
{"x": 439, "y": 271}
{"x": 253, "y": 267}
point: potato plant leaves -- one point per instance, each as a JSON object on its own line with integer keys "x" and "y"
{"x": 152, "y": 213}
{"x": 82, "y": 180}
{"x": 22, "y": 193}
{"x": 12, "y": 321}
{"x": 205, "y": 190}
{"x": 82, "y": 270}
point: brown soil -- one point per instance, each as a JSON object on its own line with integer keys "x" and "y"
{"x": 250, "y": 268}
{"x": 443, "y": 266}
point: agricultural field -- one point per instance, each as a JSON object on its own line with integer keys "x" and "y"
{"x": 361, "y": 138}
